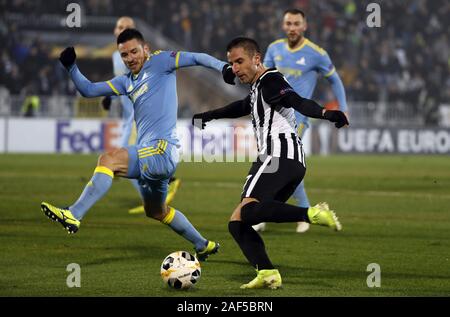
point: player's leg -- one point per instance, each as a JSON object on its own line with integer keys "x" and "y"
{"x": 253, "y": 248}
{"x": 129, "y": 131}
{"x": 109, "y": 164}
{"x": 248, "y": 240}
{"x": 272, "y": 188}
{"x": 300, "y": 193}
{"x": 157, "y": 173}
{"x": 128, "y": 138}
{"x": 174, "y": 184}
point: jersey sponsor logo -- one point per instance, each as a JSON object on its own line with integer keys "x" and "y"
{"x": 290, "y": 72}
{"x": 301, "y": 61}
{"x": 142, "y": 90}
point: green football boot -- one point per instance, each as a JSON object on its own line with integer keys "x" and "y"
{"x": 321, "y": 215}
{"x": 265, "y": 279}
{"x": 62, "y": 215}
{"x": 211, "y": 248}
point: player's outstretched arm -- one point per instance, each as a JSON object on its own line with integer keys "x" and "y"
{"x": 186, "y": 59}
{"x": 312, "y": 109}
{"x": 84, "y": 85}
{"x": 277, "y": 91}
{"x": 235, "y": 109}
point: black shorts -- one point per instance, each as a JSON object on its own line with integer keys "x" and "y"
{"x": 273, "y": 178}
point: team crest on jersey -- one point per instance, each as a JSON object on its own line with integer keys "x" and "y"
{"x": 286, "y": 90}
{"x": 301, "y": 61}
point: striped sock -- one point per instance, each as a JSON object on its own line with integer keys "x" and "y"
{"x": 99, "y": 184}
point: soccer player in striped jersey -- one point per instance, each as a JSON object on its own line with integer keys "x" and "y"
{"x": 127, "y": 137}
{"x": 280, "y": 166}
{"x": 151, "y": 86}
{"x": 300, "y": 61}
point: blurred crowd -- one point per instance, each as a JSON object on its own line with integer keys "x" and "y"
{"x": 405, "y": 60}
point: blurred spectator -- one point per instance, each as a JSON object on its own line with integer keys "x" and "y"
{"x": 30, "y": 106}
{"x": 406, "y": 58}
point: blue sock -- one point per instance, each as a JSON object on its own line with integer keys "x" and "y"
{"x": 300, "y": 196}
{"x": 181, "y": 225}
{"x": 99, "y": 184}
{"x": 136, "y": 185}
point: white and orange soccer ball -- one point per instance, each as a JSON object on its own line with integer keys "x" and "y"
{"x": 180, "y": 270}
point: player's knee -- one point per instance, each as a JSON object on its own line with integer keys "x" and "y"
{"x": 154, "y": 212}
{"x": 249, "y": 213}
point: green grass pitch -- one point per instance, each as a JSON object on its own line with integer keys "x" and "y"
{"x": 395, "y": 211}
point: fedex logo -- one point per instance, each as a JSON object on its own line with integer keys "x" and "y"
{"x": 86, "y": 136}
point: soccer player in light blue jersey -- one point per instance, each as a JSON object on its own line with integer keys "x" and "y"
{"x": 151, "y": 86}
{"x": 301, "y": 61}
{"x": 128, "y": 135}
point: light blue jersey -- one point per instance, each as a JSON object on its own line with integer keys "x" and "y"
{"x": 301, "y": 67}
{"x": 127, "y": 106}
{"x": 153, "y": 91}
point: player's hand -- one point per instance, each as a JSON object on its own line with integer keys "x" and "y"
{"x": 106, "y": 103}
{"x": 228, "y": 75}
{"x": 336, "y": 116}
{"x": 67, "y": 57}
{"x": 199, "y": 120}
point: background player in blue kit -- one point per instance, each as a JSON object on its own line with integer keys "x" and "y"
{"x": 128, "y": 128}
{"x": 151, "y": 86}
{"x": 300, "y": 61}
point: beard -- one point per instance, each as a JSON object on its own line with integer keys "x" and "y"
{"x": 294, "y": 40}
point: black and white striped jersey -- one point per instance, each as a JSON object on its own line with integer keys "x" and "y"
{"x": 275, "y": 126}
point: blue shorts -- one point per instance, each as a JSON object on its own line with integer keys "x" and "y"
{"x": 153, "y": 164}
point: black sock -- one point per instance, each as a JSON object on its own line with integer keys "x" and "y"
{"x": 272, "y": 211}
{"x": 251, "y": 244}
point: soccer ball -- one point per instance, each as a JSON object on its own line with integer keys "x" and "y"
{"x": 180, "y": 270}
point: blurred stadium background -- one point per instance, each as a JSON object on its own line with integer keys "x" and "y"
{"x": 397, "y": 74}
{"x": 397, "y": 80}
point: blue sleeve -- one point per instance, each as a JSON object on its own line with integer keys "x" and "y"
{"x": 338, "y": 89}
{"x": 115, "y": 86}
{"x": 324, "y": 65}
{"x": 327, "y": 69}
{"x": 186, "y": 59}
{"x": 268, "y": 58}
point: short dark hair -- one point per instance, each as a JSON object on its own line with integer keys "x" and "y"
{"x": 248, "y": 44}
{"x": 294, "y": 11}
{"x": 129, "y": 34}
